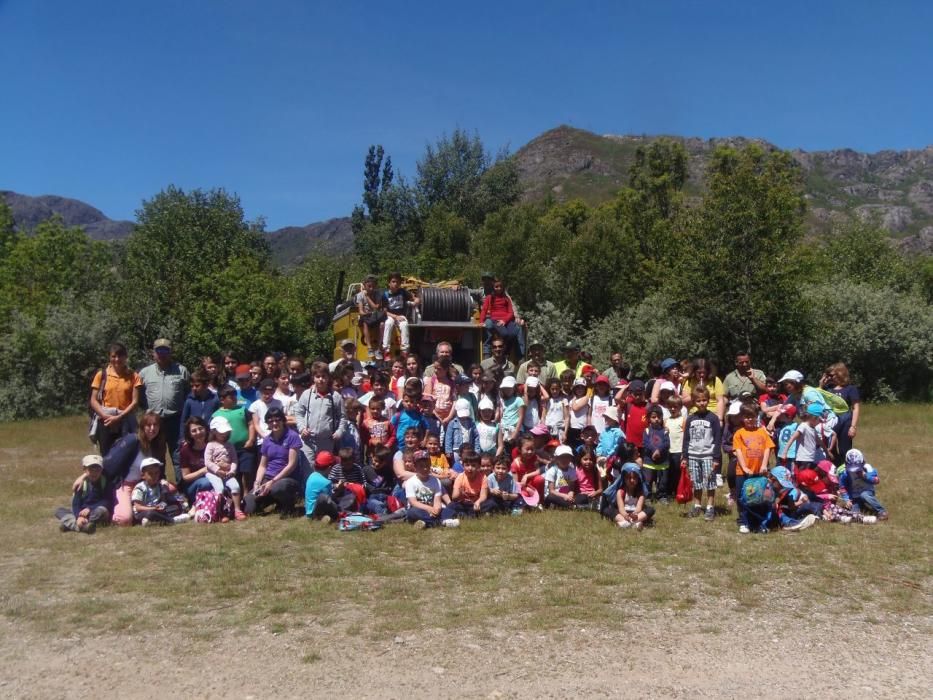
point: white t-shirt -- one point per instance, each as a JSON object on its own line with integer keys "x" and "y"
{"x": 554, "y": 419}
{"x": 557, "y": 479}
{"x": 488, "y": 436}
{"x": 422, "y": 491}
{"x": 807, "y": 443}
{"x": 600, "y": 405}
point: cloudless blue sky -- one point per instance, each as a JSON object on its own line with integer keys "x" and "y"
{"x": 110, "y": 101}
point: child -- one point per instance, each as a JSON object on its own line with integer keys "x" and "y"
{"x": 431, "y": 419}
{"x": 808, "y": 439}
{"x": 525, "y": 467}
{"x": 423, "y": 495}
{"x": 376, "y": 430}
{"x": 202, "y": 402}
{"x": 409, "y": 417}
{"x": 440, "y": 467}
{"x": 92, "y": 502}
{"x": 752, "y": 446}
{"x": 470, "y": 495}
{"x": 560, "y": 479}
{"x": 534, "y": 404}
{"x": 675, "y": 433}
{"x": 656, "y": 449}
{"x": 242, "y": 437}
{"x": 396, "y": 301}
{"x": 579, "y": 412}
{"x": 283, "y": 391}
{"x": 589, "y": 439}
{"x": 589, "y": 483}
{"x": 611, "y": 436}
{"x": 783, "y": 437}
{"x": 600, "y": 403}
{"x": 372, "y": 317}
{"x": 731, "y": 425}
{"x": 794, "y": 509}
{"x": 857, "y": 485}
{"x": 557, "y": 416}
{"x": 487, "y": 464}
{"x": 632, "y": 510}
{"x": 351, "y": 435}
{"x": 512, "y": 413}
{"x": 349, "y": 481}
{"x": 319, "y": 490}
{"x": 635, "y": 419}
{"x": 261, "y": 406}
{"x": 502, "y": 487}
{"x": 153, "y": 499}
{"x": 220, "y": 460}
{"x": 490, "y": 437}
{"x": 703, "y": 441}
{"x": 461, "y": 430}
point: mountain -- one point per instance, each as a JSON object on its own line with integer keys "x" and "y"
{"x": 893, "y": 187}
{"x": 29, "y": 212}
{"x": 292, "y": 244}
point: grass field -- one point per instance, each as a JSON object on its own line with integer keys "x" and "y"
{"x": 541, "y": 573}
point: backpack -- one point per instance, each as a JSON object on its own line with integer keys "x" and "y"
{"x": 212, "y": 507}
{"x": 358, "y": 521}
{"x": 757, "y": 492}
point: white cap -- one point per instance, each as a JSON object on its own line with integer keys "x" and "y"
{"x": 150, "y": 462}
{"x": 613, "y": 413}
{"x": 463, "y": 408}
{"x": 667, "y": 384}
{"x": 532, "y": 381}
{"x": 791, "y": 375}
{"x": 220, "y": 424}
{"x": 507, "y": 383}
{"x": 485, "y": 404}
{"x": 579, "y": 381}
{"x": 563, "y": 450}
{"x": 92, "y": 461}
{"x": 357, "y": 378}
{"x": 734, "y": 408}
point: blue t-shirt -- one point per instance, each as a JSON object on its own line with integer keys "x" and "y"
{"x": 783, "y": 436}
{"x": 318, "y": 483}
{"x": 609, "y": 441}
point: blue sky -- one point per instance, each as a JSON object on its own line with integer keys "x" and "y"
{"x": 110, "y": 102}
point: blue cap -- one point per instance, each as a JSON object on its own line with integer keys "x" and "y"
{"x": 816, "y": 410}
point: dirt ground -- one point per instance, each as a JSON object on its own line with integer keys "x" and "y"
{"x": 697, "y": 654}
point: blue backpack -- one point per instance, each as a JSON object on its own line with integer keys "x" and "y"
{"x": 757, "y": 492}
{"x": 358, "y": 521}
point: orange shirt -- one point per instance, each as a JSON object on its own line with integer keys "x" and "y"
{"x": 470, "y": 489}
{"x": 118, "y": 389}
{"x": 752, "y": 444}
{"x": 439, "y": 465}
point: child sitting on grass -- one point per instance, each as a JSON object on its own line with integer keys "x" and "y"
{"x": 470, "y": 495}
{"x": 589, "y": 482}
{"x": 503, "y": 488}
{"x": 560, "y": 479}
{"x": 632, "y": 509}
{"x": 794, "y": 509}
{"x": 423, "y": 494}
{"x": 92, "y": 502}
{"x": 857, "y": 483}
{"x": 154, "y": 501}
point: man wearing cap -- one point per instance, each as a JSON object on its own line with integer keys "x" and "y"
{"x": 571, "y": 360}
{"x": 166, "y": 384}
{"x": 536, "y": 354}
{"x": 618, "y": 371}
{"x": 499, "y": 319}
{"x": 744, "y": 378}
{"x": 348, "y": 347}
{"x": 499, "y": 360}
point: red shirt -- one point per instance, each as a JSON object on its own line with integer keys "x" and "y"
{"x": 498, "y": 308}
{"x": 636, "y": 420}
{"x": 520, "y": 468}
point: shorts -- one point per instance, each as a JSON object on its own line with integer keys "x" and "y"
{"x": 702, "y": 474}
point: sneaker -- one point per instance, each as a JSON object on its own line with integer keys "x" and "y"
{"x": 625, "y": 524}
{"x": 696, "y": 511}
{"x": 802, "y": 524}
{"x": 326, "y": 520}
{"x": 63, "y": 528}
{"x": 450, "y": 522}
{"x": 882, "y": 516}
{"x": 240, "y": 515}
{"x": 869, "y": 519}
{"x": 145, "y": 522}
{"x": 516, "y": 511}
{"x": 710, "y": 514}
{"x": 639, "y": 525}
{"x": 763, "y": 530}
{"x": 845, "y": 519}
{"x": 183, "y": 518}
{"x": 664, "y": 501}
{"x": 743, "y": 530}
{"x": 420, "y": 524}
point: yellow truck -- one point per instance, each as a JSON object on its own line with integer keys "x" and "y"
{"x": 445, "y": 311}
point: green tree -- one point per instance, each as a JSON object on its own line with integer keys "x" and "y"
{"x": 8, "y": 234}
{"x": 738, "y": 272}
{"x": 863, "y": 252}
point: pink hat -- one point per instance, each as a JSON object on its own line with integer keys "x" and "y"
{"x": 540, "y": 429}
{"x": 530, "y": 496}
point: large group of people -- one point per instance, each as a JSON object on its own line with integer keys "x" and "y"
{"x": 432, "y": 445}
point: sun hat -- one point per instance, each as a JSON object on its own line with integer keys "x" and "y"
{"x": 540, "y": 429}
{"x": 855, "y": 459}
{"x": 791, "y": 375}
{"x": 162, "y": 343}
{"x": 636, "y": 385}
{"x": 612, "y": 413}
{"x": 221, "y": 424}
{"x": 530, "y": 496}
{"x": 790, "y": 410}
{"x": 346, "y": 342}
{"x": 421, "y": 454}
{"x": 734, "y": 408}
{"x": 668, "y": 363}
{"x": 242, "y": 372}
{"x": 579, "y": 381}
{"x": 92, "y": 461}
{"x": 602, "y": 378}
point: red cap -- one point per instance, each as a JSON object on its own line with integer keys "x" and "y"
{"x": 324, "y": 459}
{"x": 790, "y": 410}
{"x": 587, "y": 369}
{"x": 602, "y": 378}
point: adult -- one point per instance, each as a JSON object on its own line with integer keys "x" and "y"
{"x": 270, "y": 366}
{"x": 193, "y": 471}
{"x": 116, "y": 391}
{"x": 536, "y": 354}
{"x": 618, "y": 371}
{"x": 668, "y": 378}
{"x": 704, "y": 374}
{"x": 277, "y": 476}
{"x": 799, "y": 394}
{"x": 499, "y": 361}
{"x": 500, "y": 320}
{"x": 230, "y": 368}
{"x": 166, "y": 384}
{"x": 348, "y": 348}
{"x": 443, "y": 360}
{"x": 744, "y": 378}
{"x": 571, "y": 360}
{"x": 836, "y": 380}
{"x": 122, "y": 465}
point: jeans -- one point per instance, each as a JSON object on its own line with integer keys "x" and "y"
{"x": 98, "y": 516}
{"x": 510, "y": 331}
{"x": 465, "y": 510}
{"x": 657, "y": 478}
{"x": 284, "y": 494}
{"x": 324, "y": 505}
{"x": 202, "y": 483}
{"x": 414, "y": 514}
{"x": 868, "y": 500}
{"x": 171, "y": 429}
